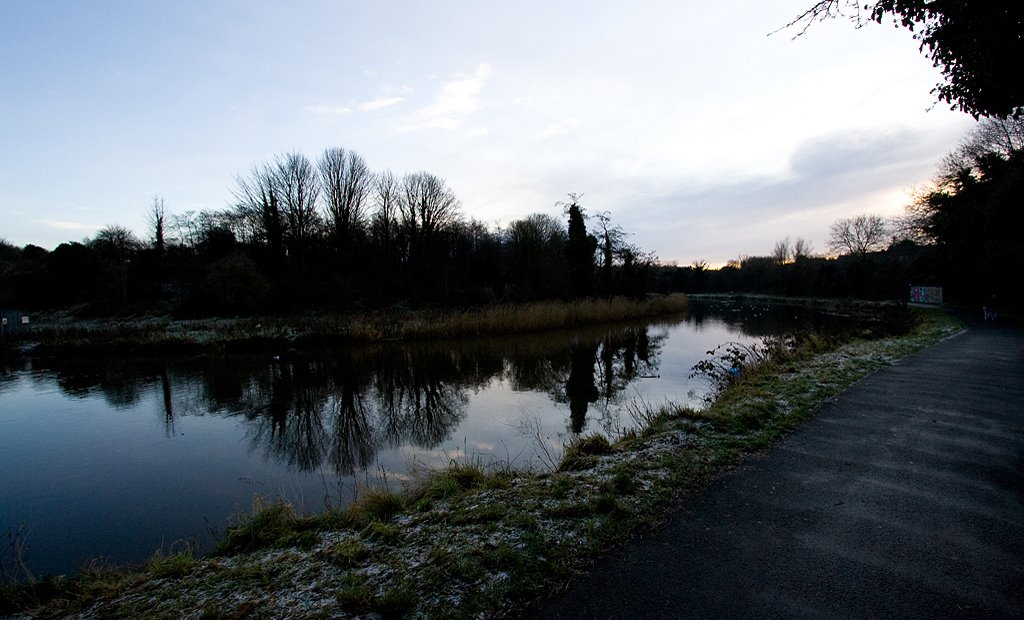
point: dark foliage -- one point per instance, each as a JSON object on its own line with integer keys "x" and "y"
{"x": 331, "y": 236}
{"x": 579, "y": 252}
{"x": 978, "y": 46}
{"x": 973, "y": 214}
{"x": 962, "y": 234}
{"x": 875, "y": 275}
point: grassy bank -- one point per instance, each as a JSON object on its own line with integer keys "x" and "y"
{"x": 480, "y": 541}
{"x": 148, "y": 334}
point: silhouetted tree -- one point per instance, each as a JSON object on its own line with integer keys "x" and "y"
{"x": 25, "y": 281}
{"x": 858, "y": 235}
{"x": 636, "y": 273}
{"x": 74, "y": 271}
{"x": 978, "y": 46}
{"x": 118, "y": 246}
{"x": 186, "y": 229}
{"x": 234, "y": 285}
{"x": 973, "y": 215}
{"x": 347, "y": 182}
{"x": 473, "y": 263}
{"x": 427, "y": 207}
{"x": 115, "y": 241}
{"x": 535, "y": 256}
{"x": 157, "y": 217}
{"x": 299, "y": 233}
{"x": 991, "y": 136}
{"x": 300, "y": 190}
{"x": 579, "y": 251}
{"x": 384, "y": 228}
{"x": 801, "y": 249}
{"x": 781, "y": 253}
{"x": 610, "y": 239}
{"x": 259, "y": 203}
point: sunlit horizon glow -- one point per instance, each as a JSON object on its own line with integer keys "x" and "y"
{"x": 699, "y": 133}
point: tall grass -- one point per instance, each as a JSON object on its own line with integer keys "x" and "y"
{"x": 154, "y": 332}
{"x": 517, "y": 318}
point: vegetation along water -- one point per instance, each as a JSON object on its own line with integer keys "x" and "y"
{"x": 477, "y": 534}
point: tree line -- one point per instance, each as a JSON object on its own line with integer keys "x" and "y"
{"x": 962, "y": 232}
{"x": 327, "y": 234}
{"x": 334, "y": 234}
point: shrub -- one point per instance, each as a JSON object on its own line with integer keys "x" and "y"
{"x": 582, "y": 453}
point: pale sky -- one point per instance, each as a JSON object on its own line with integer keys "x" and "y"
{"x": 699, "y": 133}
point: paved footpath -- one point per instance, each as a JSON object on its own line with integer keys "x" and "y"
{"x": 902, "y": 498}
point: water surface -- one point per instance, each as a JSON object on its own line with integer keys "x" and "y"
{"x": 117, "y": 458}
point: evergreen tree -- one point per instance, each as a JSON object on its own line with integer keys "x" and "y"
{"x": 579, "y": 252}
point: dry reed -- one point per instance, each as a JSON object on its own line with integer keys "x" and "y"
{"x": 377, "y": 327}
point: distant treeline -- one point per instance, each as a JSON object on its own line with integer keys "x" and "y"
{"x": 335, "y": 235}
{"x": 963, "y": 233}
{"x": 876, "y": 275}
{"x": 329, "y": 235}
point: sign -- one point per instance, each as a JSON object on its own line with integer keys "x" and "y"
{"x": 926, "y": 295}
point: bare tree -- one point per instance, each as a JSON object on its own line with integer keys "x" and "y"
{"x": 991, "y": 140}
{"x": 991, "y": 136}
{"x": 186, "y": 229}
{"x": 116, "y": 241}
{"x": 534, "y": 231}
{"x": 801, "y": 249}
{"x": 911, "y": 227}
{"x": 535, "y": 254}
{"x": 258, "y": 202}
{"x": 999, "y": 135}
{"x": 299, "y": 190}
{"x": 858, "y": 235}
{"x": 276, "y": 204}
{"x": 781, "y": 253}
{"x": 118, "y": 244}
{"x": 347, "y": 182}
{"x": 610, "y": 241}
{"x": 426, "y": 207}
{"x": 384, "y": 224}
{"x": 157, "y": 217}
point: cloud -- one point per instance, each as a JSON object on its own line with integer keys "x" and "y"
{"x": 824, "y": 171}
{"x": 561, "y": 127}
{"x": 65, "y": 225}
{"x": 828, "y": 177}
{"x": 366, "y": 106}
{"x": 379, "y": 103}
{"x": 328, "y": 110}
{"x": 457, "y": 98}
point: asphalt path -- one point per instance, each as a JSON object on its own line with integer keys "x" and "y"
{"x": 902, "y": 498}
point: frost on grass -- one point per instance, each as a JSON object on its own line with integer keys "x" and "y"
{"x": 469, "y": 550}
{"x": 476, "y": 553}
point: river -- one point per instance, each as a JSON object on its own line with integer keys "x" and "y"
{"x": 116, "y": 458}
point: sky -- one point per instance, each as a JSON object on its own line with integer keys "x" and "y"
{"x": 695, "y": 130}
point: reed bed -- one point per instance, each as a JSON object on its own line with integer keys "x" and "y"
{"x": 326, "y": 329}
{"x": 515, "y": 318}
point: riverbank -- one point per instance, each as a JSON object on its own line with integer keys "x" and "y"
{"x": 52, "y": 334}
{"x": 475, "y": 540}
{"x": 898, "y": 498}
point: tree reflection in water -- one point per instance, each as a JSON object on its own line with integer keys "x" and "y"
{"x": 601, "y": 372}
{"x": 580, "y": 390}
{"x": 340, "y": 408}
